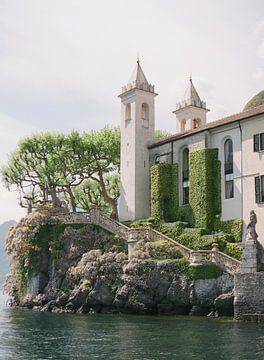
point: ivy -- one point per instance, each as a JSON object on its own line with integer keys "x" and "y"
{"x": 164, "y": 191}
{"x": 232, "y": 227}
{"x": 206, "y": 271}
{"x": 185, "y": 214}
{"x": 205, "y": 187}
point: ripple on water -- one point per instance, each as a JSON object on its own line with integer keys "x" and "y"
{"x": 32, "y": 335}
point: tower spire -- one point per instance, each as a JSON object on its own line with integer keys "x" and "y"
{"x": 191, "y": 111}
{"x": 138, "y": 80}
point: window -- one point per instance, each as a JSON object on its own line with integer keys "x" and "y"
{"x": 259, "y": 189}
{"x": 183, "y": 124}
{"x": 157, "y": 159}
{"x": 185, "y": 176}
{"x": 128, "y": 115}
{"x": 128, "y": 111}
{"x": 196, "y": 123}
{"x": 229, "y": 169}
{"x": 145, "y": 115}
{"x": 259, "y": 142}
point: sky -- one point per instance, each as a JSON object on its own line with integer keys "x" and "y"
{"x": 63, "y": 62}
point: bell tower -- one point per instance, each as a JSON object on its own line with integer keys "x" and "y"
{"x": 191, "y": 111}
{"x": 137, "y": 132}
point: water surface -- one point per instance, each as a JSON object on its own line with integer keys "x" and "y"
{"x": 25, "y": 334}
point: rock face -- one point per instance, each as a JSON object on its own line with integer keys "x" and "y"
{"x": 87, "y": 270}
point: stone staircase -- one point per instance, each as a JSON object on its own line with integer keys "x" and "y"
{"x": 133, "y": 235}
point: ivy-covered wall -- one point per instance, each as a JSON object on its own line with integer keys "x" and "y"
{"x": 164, "y": 191}
{"x": 185, "y": 214}
{"x": 205, "y": 187}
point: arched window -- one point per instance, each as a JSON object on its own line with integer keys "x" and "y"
{"x": 144, "y": 111}
{"x": 185, "y": 176}
{"x": 145, "y": 115}
{"x": 183, "y": 124}
{"x": 157, "y": 159}
{"x": 196, "y": 123}
{"x": 229, "y": 169}
{"x": 128, "y": 111}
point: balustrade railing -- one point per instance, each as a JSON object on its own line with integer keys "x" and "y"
{"x": 132, "y": 235}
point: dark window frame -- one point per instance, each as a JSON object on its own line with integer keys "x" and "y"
{"x": 258, "y": 142}
{"x": 185, "y": 177}
{"x": 229, "y": 168}
{"x": 259, "y": 189}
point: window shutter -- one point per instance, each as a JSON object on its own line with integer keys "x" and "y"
{"x": 256, "y": 143}
{"x": 261, "y": 145}
{"x": 257, "y": 189}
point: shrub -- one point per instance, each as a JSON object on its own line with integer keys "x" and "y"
{"x": 159, "y": 250}
{"x": 172, "y": 230}
{"x": 185, "y": 214}
{"x": 194, "y": 240}
{"x": 164, "y": 191}
{"x": 207, "y": 271}
{"x": 142, "y": 223}
{"x": 233, "y": 227}
{"x": 163, "y": 249}
{"x": 205, "y": 189}
{"x": 233, "y": 250}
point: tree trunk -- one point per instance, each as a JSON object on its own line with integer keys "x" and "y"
{"x": 112, "y": 202}
{"x": 72, "y": 198}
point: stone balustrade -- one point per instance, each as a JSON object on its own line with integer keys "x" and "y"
{"x": 200, "y": 257}
{"x": 225, "y": 261}
{"x": 76, "y": 218}
{"x": 133, "y": 235}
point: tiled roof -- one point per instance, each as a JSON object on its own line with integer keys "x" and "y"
{"x": 258, "y": 110}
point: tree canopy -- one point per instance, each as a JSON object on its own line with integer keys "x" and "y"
{"x": 52, "y": 167}
{"x": 77, "y": 170}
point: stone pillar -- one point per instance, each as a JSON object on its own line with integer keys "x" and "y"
{"x": 249, "y": 262}
{"x": 131, "y": 242}
{"x": 214, "y": 253}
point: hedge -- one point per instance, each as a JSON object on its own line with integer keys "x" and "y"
{"x": 164, "y": 191}
{"x": 185, "y": 214}
{"x": 205, "y": 187}
{"x": 232, "y": 227}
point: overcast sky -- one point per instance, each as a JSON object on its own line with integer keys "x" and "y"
{"x": 63, "y": 62}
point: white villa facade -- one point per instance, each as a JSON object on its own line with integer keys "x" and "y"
{"x": 239, "y": 139}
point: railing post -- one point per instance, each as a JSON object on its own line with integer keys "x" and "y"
{"x": 131, "y": 242}
{"x": 95, "y": 215}
{"x": 214, "y": 253}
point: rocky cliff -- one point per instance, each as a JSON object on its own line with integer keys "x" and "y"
{"x": 82, "y": 268}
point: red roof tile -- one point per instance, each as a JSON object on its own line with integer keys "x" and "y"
{"x": 258, "y": 110}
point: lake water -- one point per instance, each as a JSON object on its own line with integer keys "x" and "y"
{"x": 26, "y": 335}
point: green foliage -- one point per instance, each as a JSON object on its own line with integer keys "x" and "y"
{"x": 49, "y": 166}
{"x": 206, "y": 271}
{"x": 233, "y": 250}
{"x": 199, "y": 239}
{"x": 205, "y": 187}
{"x": 209, "y": 271}
{"x": 172, "y": 230}
{"x": 185, "y": 214}
{"x": 162, "y": 250}
{"x": 232, "y": 227}
{"x": 161, "y": 134}
{"x": 164, "y": 191}
{"x": 142, "y": 223}
{"x": 255, "y": 101}
{"x": 195, "y": 241}
{"x": 88, "y": 194}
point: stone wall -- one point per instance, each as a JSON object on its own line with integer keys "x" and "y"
{"x": 249, "y": 296}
